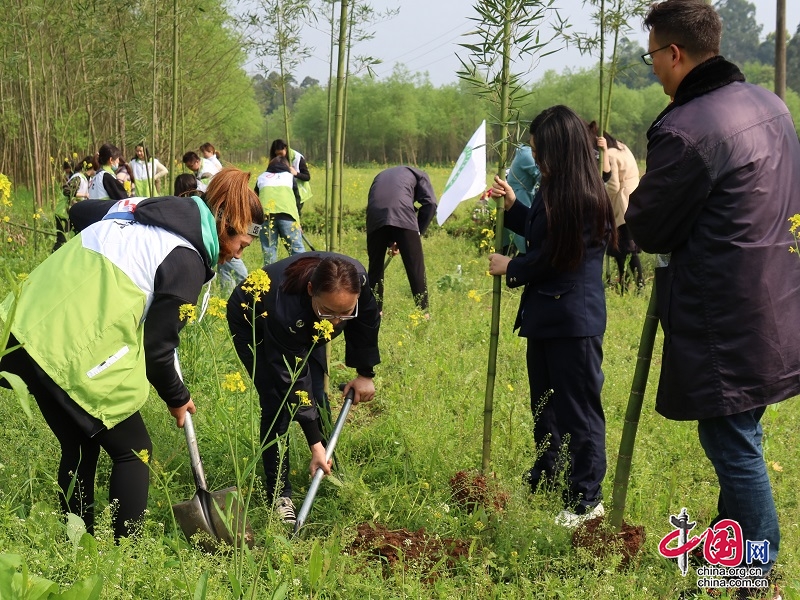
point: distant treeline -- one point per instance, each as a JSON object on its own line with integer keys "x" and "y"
{"x": 405, "y": 119}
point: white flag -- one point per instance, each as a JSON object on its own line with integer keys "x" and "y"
{"x": 468, "y": 178}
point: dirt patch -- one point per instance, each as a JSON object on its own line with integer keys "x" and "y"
{"x": 472, "y": 490}
{"x": 595, "y": 536}
{"x": 409, "y": 549}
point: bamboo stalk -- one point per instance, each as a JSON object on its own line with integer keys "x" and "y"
{"x": 338, "y": 130}
{"x": 633, "y": 412}
{"x": 494, "y": 337}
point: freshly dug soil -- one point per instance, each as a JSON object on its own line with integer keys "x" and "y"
{"x": 472, "y": 490}
{"x": 600, "y": 540}
{"x": 409, "y": 549}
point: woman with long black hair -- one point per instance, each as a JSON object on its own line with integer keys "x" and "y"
{"x": 562, "y": 312}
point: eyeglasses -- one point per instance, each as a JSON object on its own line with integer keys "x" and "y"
{"x": 339, "y": 317}
{"x": 648, "y": 57}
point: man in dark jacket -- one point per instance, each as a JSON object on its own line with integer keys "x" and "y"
{"x": 394, "y": 222}
{"x": 723, "y": 178}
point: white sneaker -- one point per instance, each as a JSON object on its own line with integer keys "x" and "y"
{"x": 284, "y": 507}
{"x": 570, "y": 520}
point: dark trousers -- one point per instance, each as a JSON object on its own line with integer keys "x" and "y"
{"x": 410, "y": 245}
{"x": 733, "y": 445}
{"x": 130, "y": 477}
{"x": 62, "y": 228}
{"x": 627, "y": 247}
{"x": 565, "y": 378}
{"x": 275, "y": 421}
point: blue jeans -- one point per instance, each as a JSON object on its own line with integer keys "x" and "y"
{"x": 733, "y": 445}
{"x": 285, "y": 227}
{"x": 231, "y": 274}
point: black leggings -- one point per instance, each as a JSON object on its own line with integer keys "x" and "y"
{"x": 410, "y": 245}
{"x": 129, "y": 482}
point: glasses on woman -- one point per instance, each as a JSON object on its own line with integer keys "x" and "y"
{"x": 353, "y": 315}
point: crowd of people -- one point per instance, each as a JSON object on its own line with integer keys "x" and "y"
{"x": 721, "y": 181}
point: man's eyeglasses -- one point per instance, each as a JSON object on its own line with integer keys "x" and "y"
{"x": 339, "y": 317}
{"x": 648, "y": 57}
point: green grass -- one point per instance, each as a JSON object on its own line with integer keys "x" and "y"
{"x": 396, "y": 456}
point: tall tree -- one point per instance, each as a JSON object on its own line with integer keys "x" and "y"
{"x": 793, "y": 63}
{"x": 279, "y": 24}
{"x": 740, "y": 30}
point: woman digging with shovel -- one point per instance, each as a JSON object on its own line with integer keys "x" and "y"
{"x": 100, "y": 318}
{"x": 307, "y": 300}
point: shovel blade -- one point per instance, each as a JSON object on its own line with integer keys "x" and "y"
{"x": 192, "y": 518}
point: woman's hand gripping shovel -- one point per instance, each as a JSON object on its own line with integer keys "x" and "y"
{"x": 206, "y": 511}
{"x": 314, "y": 487}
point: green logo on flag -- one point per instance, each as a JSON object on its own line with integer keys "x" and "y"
{"x": 462, "y": 162}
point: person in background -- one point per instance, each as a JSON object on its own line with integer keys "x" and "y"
{"x": 75, "y": 190}
{"x": 276, "y": 188}
{"x": 623, "y": 177}
{"x": 394, "y": 221}
{"x": 231, "y": 272}
{"x": 562, "y": 311}
{"x": 99, "y": 322}
{"x": 523, "y": 176}
{"x": 298, "y": 168}
{"x": 722, "y": 181}
{"x": 105, "y": 185}
{"x": 285, "y": 326}
{"x": 124, "y": 175}
{"x": 210, "y": 154}
{"x": 146, "y": 170}
{"x": 202, "y": 168}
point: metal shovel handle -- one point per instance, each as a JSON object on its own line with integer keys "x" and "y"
{"x": 194, "y": 452}
{"x": 314, "y": 487}
{"x": 191, "y": 438}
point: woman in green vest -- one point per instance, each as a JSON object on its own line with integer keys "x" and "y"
{"x": 99, "y": 322}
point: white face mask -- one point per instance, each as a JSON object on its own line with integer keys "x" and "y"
{"x": 115, "y": 166}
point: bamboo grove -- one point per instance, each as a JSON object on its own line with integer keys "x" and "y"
{"x": 74, "y": 75}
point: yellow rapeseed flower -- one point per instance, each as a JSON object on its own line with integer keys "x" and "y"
{"x": 794, "y": 221}
{"x": 257, "y": 283}
{"x": 143, "y": 455}
{"x": 187, "y": 312}
{"x": 6, "y": 219}
{"x": 302, "y": 398}
{"x": 474, "y": 295}
{"x": 5, "y": 190}
{"x": 325, "y": 328}
{"x": 234, "y": 382}
{"x": 217, "y": 307}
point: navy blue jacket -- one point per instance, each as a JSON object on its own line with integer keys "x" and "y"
{"x": 284, "y": 332}
{"x": 555, "y": 304}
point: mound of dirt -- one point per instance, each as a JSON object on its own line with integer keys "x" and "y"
{"x": 409, "y": 549}
{"x": 596, "y": 536}
{"x": 472, "y": 490}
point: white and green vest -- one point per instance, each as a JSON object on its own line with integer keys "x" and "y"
{"x": 304, "y": 187}
{"x": 81, "y": 313}
{"x": 276, "y": 193}
{"x": 97, "y": 191}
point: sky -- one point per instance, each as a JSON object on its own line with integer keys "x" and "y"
{"x": 424, "y": 37}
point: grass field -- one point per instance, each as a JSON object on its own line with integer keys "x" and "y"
{"x": 396, "y": 457}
